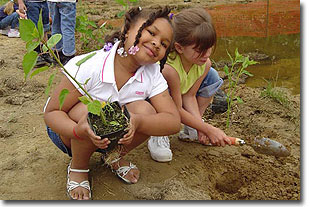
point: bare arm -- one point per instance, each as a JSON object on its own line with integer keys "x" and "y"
{"x": 187, "y": 118}
{"x": 167, "y": 119}
{"x": 188, "y": 106}
{"x": 22, "y": 7}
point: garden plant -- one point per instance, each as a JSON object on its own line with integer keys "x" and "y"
{"x": 108, "y": 120}
{"x": 238, "y": 65}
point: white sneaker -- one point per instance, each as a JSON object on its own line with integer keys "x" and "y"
{"x": 159, "y": 148}
{"x": 13, "y": 33}
{"x": 5, "y": 31}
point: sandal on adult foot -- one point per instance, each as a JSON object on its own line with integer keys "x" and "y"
{"x": 71, "y": 185}
{"x": 122, "y": 171}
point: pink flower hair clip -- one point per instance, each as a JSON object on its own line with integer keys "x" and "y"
{"x": 133, "y": 50}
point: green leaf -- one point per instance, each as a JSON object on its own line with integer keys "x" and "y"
{"x": 231, "y": 59}
{"x": 226, "y": 70}
{"x": 27, "y": 30}
{"x": 247, "y": 73}
{"x": 93, "y": 24}
{"x": 53, "y": 40}
{"x": 80, "y": 62}
{"x": 29, "y": 62}
{"x": 87, "y": 81}
{"x": 39, "y": 70}
{"x": 239, "y": 100}
{"x": 31, "y": 45}
{"x": 252, "y": 62}
{"x": 40, "y": 26}
{"x": 120, "y": 14}
{"x": 62, "y": 97}
{"x": 85, "y": 100}
{"x": 245, "y": 63}
{"x": 49, "y": 84}
{"x": 94, "y": 107}
{"x": 113, "y": 123}
{"x": 121, "y": 2}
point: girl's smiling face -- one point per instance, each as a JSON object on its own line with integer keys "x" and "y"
{"x": 154, "y": 41}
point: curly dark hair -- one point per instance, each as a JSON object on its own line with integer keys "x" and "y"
{"x": 151, "y": 14}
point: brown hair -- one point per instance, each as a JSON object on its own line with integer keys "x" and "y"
{"x": 150, "y": 14}
{"x": 9, "y": 7}
{"x": 194, "y": 26}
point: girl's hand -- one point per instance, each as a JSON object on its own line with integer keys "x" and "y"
{"x": 218, "y": 137}
{"x": 203, "y": 139}
{"x": 22, "y": 8}
{"x": 127, "y": 138}
{"x": 83, "y": 130}
{"x": 21, "y": 15}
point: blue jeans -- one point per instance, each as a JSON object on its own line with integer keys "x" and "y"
{"x": 10, "y": 20}
{"x": 64, "y": 19}
{"x": 210, "y": 84}
{"x": 33, "y": 13}
{"x": 59, "y": 143}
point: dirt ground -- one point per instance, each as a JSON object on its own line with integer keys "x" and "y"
{"x": 32, "y": 168}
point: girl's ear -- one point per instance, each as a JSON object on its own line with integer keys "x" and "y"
{"x": 178, "y": 48}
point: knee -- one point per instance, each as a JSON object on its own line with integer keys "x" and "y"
{"x": 140, "y": 107}
{"x": 78, "y": 111}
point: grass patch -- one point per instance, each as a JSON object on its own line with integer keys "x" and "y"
{"x": 276, "y": 94}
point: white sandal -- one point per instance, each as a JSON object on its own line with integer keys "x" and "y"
{"x": 121, "y": 172}
{"x": 71, "y": 185}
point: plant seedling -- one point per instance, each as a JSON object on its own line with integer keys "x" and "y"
{"x": 110, "y": 114}
{"x": 238, "y": 65}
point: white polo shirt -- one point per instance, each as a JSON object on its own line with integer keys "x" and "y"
{"x": 146, "y": 83}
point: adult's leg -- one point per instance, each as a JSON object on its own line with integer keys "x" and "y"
{"x": 67, "y": 12}
{"x": 55, "y": 15}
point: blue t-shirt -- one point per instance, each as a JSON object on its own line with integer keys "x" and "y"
{"x": 3, "y": 15}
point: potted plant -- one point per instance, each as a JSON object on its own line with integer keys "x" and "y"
{"x": 107, "y": 120}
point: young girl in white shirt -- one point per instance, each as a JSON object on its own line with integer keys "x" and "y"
{"x": 124, "y": 71}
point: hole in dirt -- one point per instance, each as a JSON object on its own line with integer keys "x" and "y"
{"x": 229, "y": 182}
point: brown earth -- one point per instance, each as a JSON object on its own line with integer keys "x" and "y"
{"x": 32, "y": 168}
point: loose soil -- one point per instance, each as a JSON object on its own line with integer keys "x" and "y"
{"x": 32, "y": 168}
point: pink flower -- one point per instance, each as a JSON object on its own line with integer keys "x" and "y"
{"x": 133, "y": 50}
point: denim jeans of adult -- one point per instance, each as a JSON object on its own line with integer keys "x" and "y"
{"x": 11, "y": 20}
{"x": 33, "y": 13}
{"x": 64, "y": 19}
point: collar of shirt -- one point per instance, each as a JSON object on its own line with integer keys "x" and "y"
{"x": 107, "y": 73}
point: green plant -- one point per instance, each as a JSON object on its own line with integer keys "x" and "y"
{"x": 275, "y": 94}
{"x": 125, "y": 4}
{"x": 34, "y": 36}
{"x": 238, "y": 65}
{"x": 88, "y": 33}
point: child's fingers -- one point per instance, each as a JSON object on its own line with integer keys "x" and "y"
{"x": 102, "y": 144}
{"x": 125, "y": 140}
{"x": 228, "y": 140}
{"x": 127, "y": 137}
